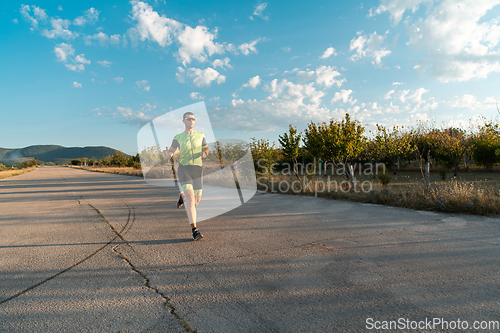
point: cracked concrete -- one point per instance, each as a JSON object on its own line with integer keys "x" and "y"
{"x": 276, "y": 264}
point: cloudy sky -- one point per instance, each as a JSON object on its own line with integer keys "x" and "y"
{"x": 86, "y": 73}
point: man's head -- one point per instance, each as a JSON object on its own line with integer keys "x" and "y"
{"x": 188, "y": 120}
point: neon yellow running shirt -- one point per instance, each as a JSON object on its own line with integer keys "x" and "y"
{"x": 190, "y": 147}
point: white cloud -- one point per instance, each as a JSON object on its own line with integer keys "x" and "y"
{"x": 118, "y": 79}
{"x": 402, "y": 95}
{"x": 396, "y": 8}
{"x": 197, "y": 43}
{"x": 59, "y": 8}
{"x": 76, "y": 68}
{"x": 469, "y": 101}
{"x": 201, "y": 77}
{"x": 181, "y": 73}
{"x": 60, "y": 30}
{"x": 296, "y": 92}
{"x": 104, "y": 63}
{"x": 419, "y": 117}
{"x": 38, "y": 14}
{"x": 388, "y": 94}
{"x": 62, "y": 51}
{"x": 91, "y": 16}
{"x": 25, "y": 10}
{"x": 397, "y": 83}
{"x": 371, "y": 46}
{"x": 115, "y": 39}
{"x": 323, "y": 75}
{"x": 258, "y": 11}
{"x": 460, "y": 39}
{"x": 326, "y": 75}
{"x": 248, "y": 48}
{"x": 286, "y": 49}
{"x": 133, "y": 118}
{"x": 221, "y": 63}
{"x": 81, "y": 59}
{"x": 405, "y": 101}
{"x": 329, "y": 52}
{"x": 253, "y": 82}
{"x": 286, "y": 100}
{"x": 102, "y": 38}
{"x": 150, "y": 25}
{"x": 416, "y": 97}
{"x": 344, "y": 96}
{"x": 15, "y": 21}
{"x": 77, "y": 85}
{"x": 143, "y": 85}
{"x": 196, "y": 96}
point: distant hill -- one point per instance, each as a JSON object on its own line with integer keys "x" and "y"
{"x": 4, "y": 151}
{"x": 53, "y": 153}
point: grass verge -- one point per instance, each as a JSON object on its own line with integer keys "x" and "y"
{"x": 473, "y": 193}
{"x": 127, "y": 171}
{"x": 15, "y": 172}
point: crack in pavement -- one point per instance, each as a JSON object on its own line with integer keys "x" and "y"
{"x": 187, "y": 327}
{"x": 167, "y": 301}
{"x": 117, "y": 234}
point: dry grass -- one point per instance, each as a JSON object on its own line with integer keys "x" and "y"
{"x": 476, "y": 193}
{"x": 128, "y": 171}
{"x": 10, "y": 173}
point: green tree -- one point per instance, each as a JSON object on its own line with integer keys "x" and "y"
{"x": 264, "y": 156}
{"x": 106, "y": 160}
{"x": 290, "y": 147}
{"x": 393, "y": 145}
{"x": 452, "y": 144}
{"x": 339, "y": 142}
{"x": 486, "y": 149}
{"x": 76, "y": 161}
{"x": 119, "y": 159}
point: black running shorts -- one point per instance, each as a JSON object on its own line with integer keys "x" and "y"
{"x": 191, "y": 178}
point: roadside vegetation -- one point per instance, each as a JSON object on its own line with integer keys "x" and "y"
{"x": 117, "y": 164}
{"x": 450, "y": 170}
{"x": 425, "y": 168}
{"x": 17, "y": 169}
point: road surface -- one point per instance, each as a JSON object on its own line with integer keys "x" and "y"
{"x": 93, "y": 252}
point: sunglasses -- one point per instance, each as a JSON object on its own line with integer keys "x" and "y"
{"x": 189, "y": 119}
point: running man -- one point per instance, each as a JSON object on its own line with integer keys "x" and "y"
{"x": 193, "y": 147}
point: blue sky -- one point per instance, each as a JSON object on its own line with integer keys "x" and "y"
{"x": 87, "y": 73}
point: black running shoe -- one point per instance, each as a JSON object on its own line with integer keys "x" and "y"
{"x": 197, "y": 235}
{"x": 180, "y": 202}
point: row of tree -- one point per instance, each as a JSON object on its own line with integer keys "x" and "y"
{"x": 343, "y": 142}
{"x": 21, "y": 165}
{"x": 119, "y": 159}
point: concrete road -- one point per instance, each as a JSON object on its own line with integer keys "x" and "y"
{"x": 92, "y": 252}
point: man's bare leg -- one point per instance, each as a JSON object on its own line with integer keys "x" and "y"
{"x": 190, "y": 203}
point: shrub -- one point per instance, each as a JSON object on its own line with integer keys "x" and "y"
{"x": 384, "y": 179}
{"x": 442, "y": 172}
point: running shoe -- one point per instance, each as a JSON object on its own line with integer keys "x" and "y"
{"x": 180, "y": 202}
{"x": 197, "y": 235}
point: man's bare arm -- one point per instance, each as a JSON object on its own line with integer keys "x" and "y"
{"x": 205, "y": 151}
{"x": 169, "y": 152}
